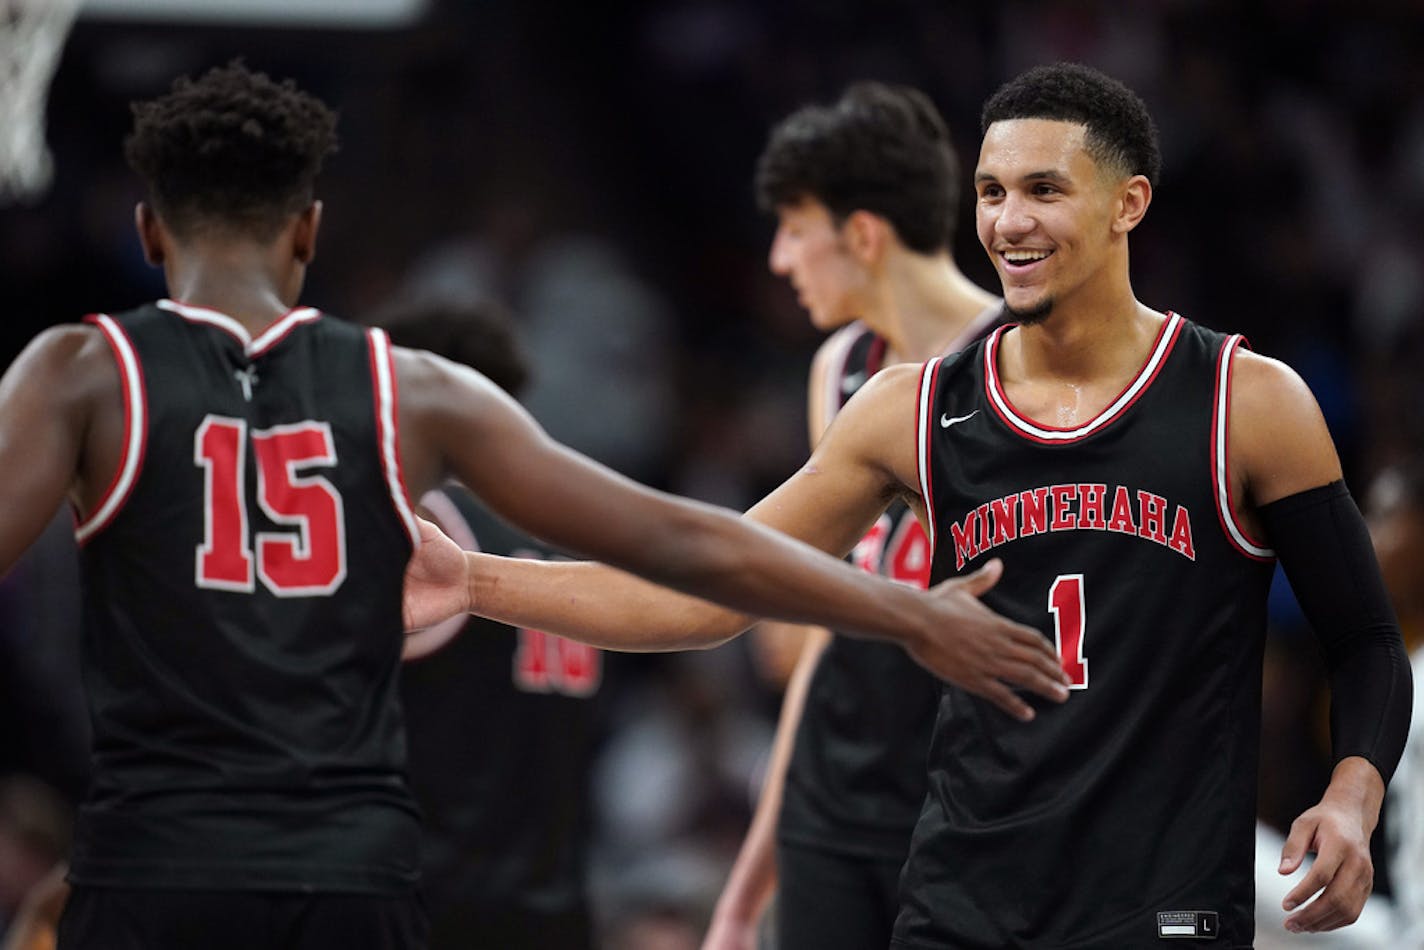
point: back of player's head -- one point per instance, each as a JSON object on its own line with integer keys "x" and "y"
{"x": 1121, "y": 135}
{"x": 880, "y": 148}
{"x": 233, "y": 152}
{"x": 478, "y": 333}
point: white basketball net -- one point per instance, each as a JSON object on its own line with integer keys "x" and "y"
{"x": 32, "y": 34}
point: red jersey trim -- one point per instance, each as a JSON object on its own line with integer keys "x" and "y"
{"x": 383, "y": 379}
{"x": 1220, "y": 450}
{"x": 135, "y": 428}
{"x": 929, "y": 376}
{"x": 1051, "y": 435}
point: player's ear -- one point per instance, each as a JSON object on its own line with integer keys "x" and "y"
{"x": 150, "y": 233}
{"x": 867, "y": 235}
{"x": 304, "y": 237}
{"x": 1133, "y": 200}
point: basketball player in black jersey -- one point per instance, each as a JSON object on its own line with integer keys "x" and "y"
{"x": 240, "y": 469}
{"x": 865, "y": 192}
{"x": 1135, "y": 475}
{"x": 501, "y": 722}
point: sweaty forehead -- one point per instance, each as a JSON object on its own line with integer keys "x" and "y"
{"x": 1015, "y": 148}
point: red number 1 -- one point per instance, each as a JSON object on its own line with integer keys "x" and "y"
{"x": 1065, "y": 602}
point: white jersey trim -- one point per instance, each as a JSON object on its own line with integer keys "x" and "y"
{"x": 250, "y": 346}
{"x": 384, "y": 377}
{"x": 1166, "y": 337}
{"x": 840, "y": 345}
{"x": 924, "y": 413}
{"x": 135, "y": 425}
{"x": 1220, "y": 475}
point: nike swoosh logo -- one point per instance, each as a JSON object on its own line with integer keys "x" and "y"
{"x": 946, "y": 420}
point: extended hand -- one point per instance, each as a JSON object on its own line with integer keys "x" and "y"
{"x": 1342, "y": 866}
{"x": 436, "y": 580}
{"x": 980, "y": 651}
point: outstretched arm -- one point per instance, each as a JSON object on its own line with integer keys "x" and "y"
{"x": 564, "y": 498}
{"x": 1285, "y": 464}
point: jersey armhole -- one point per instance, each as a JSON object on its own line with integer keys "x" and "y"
{"x": 135, "y": 437}
{"x": 1220, "y": 450}
{"x": 929, "y": 376}
{"x": 387, "y": 408}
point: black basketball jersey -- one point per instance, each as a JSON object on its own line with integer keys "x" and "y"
{"x": 1126, "y": 815}
{"x": 242, "y": 600}
{"x": 502, "y": 724}
{"x": 856, "y": 780}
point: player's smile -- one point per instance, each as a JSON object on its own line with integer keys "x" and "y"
{"x": 1022, "y": 262}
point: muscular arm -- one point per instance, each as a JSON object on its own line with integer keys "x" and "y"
{"x": 1289, "y": 484}
{"x": 45, "y": 419}
{"x": 829, "y": 503}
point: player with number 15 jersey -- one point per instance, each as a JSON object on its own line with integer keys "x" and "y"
{"x": 243, "y": 612}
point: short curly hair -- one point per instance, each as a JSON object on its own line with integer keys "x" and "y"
{"x": 881, "y": 148}
{"x": 1121, "y": 135}
{"x": 233, "y": 151}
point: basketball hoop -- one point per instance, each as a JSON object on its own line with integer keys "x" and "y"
{"x": 32, "y": 34}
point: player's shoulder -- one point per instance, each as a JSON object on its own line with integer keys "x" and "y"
{"x": 70, "y": 347}
{"x": 1261, "y": 382}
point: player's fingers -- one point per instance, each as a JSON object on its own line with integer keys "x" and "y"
{"x": 1333, "y": 909}
{"x": 1316, "y": 878}
{"x": 1005, "y": 698}
{"x": 1045, "y": 683}
{"x": 1035, "y": 649}
{"x": 983, "y": 580}
{"x": 1302, "y": 831}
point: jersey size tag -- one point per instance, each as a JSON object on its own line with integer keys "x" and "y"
{"x": 1187, "y": 924}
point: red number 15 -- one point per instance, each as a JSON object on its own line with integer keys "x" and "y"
{"x": 307, "y": 560}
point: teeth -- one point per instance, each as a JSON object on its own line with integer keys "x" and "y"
{"x": 1024, "y": 257}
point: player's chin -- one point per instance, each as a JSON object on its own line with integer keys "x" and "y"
{"x": 826, "y": 319}
{"x": 1027, "y": 309}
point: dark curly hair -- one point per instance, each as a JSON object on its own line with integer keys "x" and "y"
{"x": 478, "y": 333}
{"x": 880, "y": 148}
{"x": 1121, "y": 135}
{"x": 233, "y": 151}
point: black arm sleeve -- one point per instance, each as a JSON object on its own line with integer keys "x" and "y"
{"x": 1324, "y": 547}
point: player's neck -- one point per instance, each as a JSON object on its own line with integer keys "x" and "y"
{"x": 1085, "y": 343}
{"x": 240, "y": 280}
{"x": 924, "y": 304}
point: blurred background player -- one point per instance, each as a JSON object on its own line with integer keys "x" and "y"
{"x": 501, "y": 722}
{"x": 865, "y": 192}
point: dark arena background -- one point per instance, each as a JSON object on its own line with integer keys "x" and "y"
{"x": 589, "y": 165}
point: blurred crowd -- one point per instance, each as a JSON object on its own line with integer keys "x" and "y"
{"x": 590, "y": 166}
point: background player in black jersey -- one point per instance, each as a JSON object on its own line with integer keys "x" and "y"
{"x": 501, "y": 722}
{"x": 865, "y": 192}
{"x": 1088, "y": 448}
{"x": 240, "y": 466}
